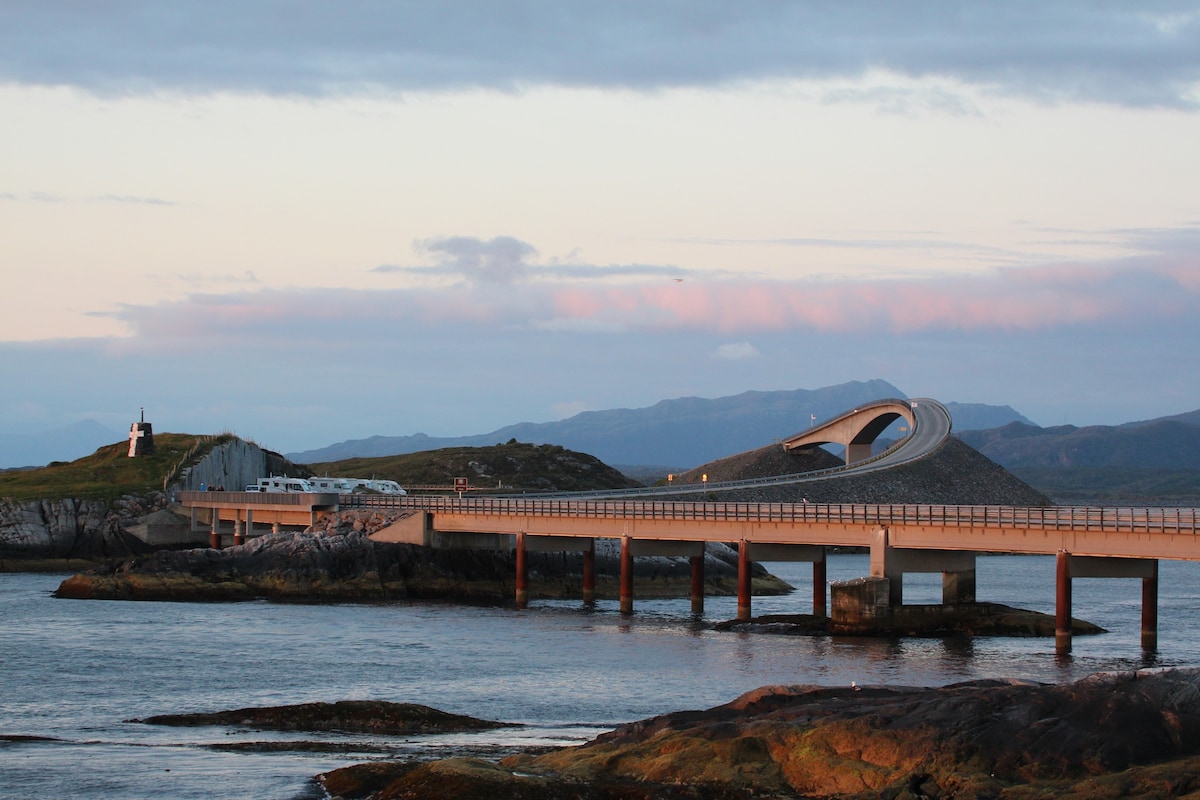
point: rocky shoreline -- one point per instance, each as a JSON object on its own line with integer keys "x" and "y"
{"x": 923, "y": 621}
{"x": 338, "y": 562}
{"x": 1124, "y": 735}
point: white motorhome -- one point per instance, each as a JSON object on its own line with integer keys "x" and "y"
{"x": 351, "y": 485}
{"x": 379, "y": 486}
{"x": 280, "y": 484}
{"x": 332, "y": 485}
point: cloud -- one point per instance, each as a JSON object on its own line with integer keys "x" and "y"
{"x": 145, "y": 201}
{"x": 1133, "y": 54}
{"x": 1162, "y": 282}
{"x": 736, "y": 352}
{"x": 499, "y": 260}
{"x": 505, "y": 259}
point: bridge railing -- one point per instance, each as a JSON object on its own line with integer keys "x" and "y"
{"x": 1058, "y": 518}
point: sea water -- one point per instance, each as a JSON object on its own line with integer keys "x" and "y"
{"x": 75, "y": 675}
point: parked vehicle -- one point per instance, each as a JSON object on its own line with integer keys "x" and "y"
{"x": 281, "y": 484}
{"x": 377, "y": 486}
{"x": 332, "y": 485}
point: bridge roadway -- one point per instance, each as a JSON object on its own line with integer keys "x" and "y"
{"x": 1087, "y": 541}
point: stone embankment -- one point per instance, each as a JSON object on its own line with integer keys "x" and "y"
{"x": 339, "y": 561}
{"x": 234, "y": 465}
{"x": 954, "y": 474}
{"x": 1127, "y": 735}
{"x": 39, "y": 534}
{"x": 40, "y": 531}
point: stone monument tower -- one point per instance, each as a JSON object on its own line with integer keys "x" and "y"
{"x": 141, "y": 438}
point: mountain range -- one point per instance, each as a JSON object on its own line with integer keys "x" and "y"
{"x": 676, "y": 434}
{"x": 59, "y": 444}
{"x": 1166, "y": 443}
{"x": 1136, "y": 462}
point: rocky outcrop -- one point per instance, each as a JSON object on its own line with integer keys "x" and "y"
{"x": 77, "y": 529}
{"x": 953, "y": 474}
{"x": 339, "y": 561}
{"x": 345, "y": 716}
{"x": 35, "y": 531}
{"x": 1134, "y": 735}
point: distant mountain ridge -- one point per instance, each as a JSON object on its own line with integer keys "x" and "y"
{"x": 678, "y": 433}
{"x": 59, "y": 444}
{"x": 1166, "y": 443}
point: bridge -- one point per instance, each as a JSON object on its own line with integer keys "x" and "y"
{"x": 903, "y": 538}
{"x": 857, "y": 430}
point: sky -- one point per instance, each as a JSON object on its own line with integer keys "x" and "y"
{"x": 305, "y": 222}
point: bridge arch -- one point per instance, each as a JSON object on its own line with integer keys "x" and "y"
{"x": 855, "y": 430}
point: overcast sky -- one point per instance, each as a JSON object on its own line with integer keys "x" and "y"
{"x": 306, "y": 222}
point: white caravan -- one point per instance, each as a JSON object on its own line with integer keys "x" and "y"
{"x": 379, "y": 486}
{"x": 332, "y": 485}
{"x": 351, "y": 485}
{"x": 280, "y": 484}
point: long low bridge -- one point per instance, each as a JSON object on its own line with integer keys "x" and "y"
{"x": 1087, "y": 541}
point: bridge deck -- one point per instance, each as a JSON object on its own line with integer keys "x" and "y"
{"x": 1168, "y": 533}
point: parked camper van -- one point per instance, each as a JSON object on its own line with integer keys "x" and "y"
{"x": 379, "y": 486}
{"x": 332, "y": 485}
{"x": 280, "y": 484}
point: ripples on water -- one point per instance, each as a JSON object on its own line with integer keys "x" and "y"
{"x": 75, "y": 671}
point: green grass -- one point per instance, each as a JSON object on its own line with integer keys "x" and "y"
{"x": 514, "y": 465}
{"x": 109, "y": 472}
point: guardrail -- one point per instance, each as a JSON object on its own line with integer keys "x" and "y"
{"x": 251, "y": 499}
{"x": 1058, "y": 518}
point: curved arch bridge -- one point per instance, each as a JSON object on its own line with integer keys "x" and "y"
{"x": 856, "y": 430}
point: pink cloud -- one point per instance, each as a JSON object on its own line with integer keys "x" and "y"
{"x": 1009, "y": 300}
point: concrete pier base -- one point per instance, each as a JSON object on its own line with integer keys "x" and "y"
{"x": 860, "y": 605}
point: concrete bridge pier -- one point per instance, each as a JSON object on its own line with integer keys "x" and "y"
{"x": 626, "y": 593}
{"x": 1068, "y": 567}
{"x": 1062, "y": 603}
{"x": 1150, "y": 609}
{"x": 764, "y": 551}
{"x": 239, "y": 536}
{"x": 957, "y": 568}
{"x": 589, "y": 573}
{"x": 214, "y": 534}
{"x": 744, "y": 584}
{"x": 697, "y": 565}
{"x": 522, "y": 579}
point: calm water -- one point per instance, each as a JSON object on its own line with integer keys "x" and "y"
{"x": 77, "y": 671}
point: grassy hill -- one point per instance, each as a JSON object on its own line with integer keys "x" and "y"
{"x": 514, "y": 465}
{"x": 109, "y": 472}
